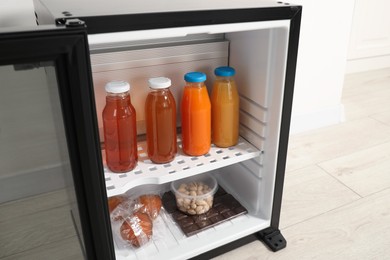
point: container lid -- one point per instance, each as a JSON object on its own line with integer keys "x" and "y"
{"x": 159, "y": 83}
{"x": 195, "y": 77}
{"x": 224, "y": 71}
{"x": 117, "y": 87}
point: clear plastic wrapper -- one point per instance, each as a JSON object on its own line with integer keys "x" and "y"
{"x": 150, "y": 204}
{"x": 137, "y": 229}
{"x": 122, "y": 206}
{"x": 124, "y": 209}
{"x": 133, "y": 219}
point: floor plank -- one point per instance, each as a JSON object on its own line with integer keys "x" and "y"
{"x": 369, "y": 104}
{"x": 66, "y": 249}
{"x": 31, "y": 205}
{"x": 366, "y": 171}
{"x": 359, "y": 230}
{"x": 357, "y": 84}
{"x": 27, "y": 232}
{"x": 331, "y": 142}
{"x": 383, "y": 117}
{"x": 310, "y": 192}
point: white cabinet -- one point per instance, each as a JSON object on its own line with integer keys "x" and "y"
{"x": 16, "y": 13}
{"x": 369, "y": 46}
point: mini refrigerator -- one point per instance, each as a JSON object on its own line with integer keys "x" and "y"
{"x": 79, "y": 46}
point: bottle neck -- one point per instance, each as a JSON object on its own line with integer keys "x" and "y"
{"x": 220, "y": 78}
{"x": 158, "y": 90}
{"x": 118, "y": 97}
{"x": 195, "y": 84}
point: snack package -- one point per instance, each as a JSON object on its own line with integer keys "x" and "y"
{"x": 125, "y": 208}
{"x": 132, "y": 219}
{"x": 151, "y": 204}
{"x": 137, "y": 229}
{"x": 122, "y": 206}
{"x": 113, "y": 202}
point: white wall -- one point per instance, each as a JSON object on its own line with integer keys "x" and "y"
{"x": 323, "y": 46}
{"x": 16, "y": 13}
{"x": 369, "y": 47}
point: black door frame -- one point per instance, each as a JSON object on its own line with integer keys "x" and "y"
{"x": 68, "y": 49}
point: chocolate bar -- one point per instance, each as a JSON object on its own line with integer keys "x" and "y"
{"x": 225, "y": 207}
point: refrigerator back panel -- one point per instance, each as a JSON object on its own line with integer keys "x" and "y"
{"x": 136, "y": 65}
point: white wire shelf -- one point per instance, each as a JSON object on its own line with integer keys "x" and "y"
{"x": 147, "y": 172}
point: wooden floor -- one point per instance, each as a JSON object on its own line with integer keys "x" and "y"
{"x": 38, "y": 228}
{"x": 336, "y": 197}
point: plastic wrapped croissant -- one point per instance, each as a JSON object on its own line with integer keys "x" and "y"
{"x": 135, "y": 217}
{"x": 122, "y": 206}
{"x": 137, "y": 229}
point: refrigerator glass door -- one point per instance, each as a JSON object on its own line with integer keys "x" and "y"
{"x": 52, "y": 200}
{"x": 35, "y": 197}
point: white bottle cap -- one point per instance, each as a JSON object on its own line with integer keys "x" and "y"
{"x": 159, "y": 83}
{"x": 117, "y": 87}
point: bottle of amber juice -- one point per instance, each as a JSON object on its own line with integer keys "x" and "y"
{"x": 119, "y": 124}
{"x": 224, "y": 108}
{"x": 160, "y": 113}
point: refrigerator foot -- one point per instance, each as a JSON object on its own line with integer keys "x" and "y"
{"x": 273, "y": 239}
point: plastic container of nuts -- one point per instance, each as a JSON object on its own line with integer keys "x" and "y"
{"x": 195, "y": 195}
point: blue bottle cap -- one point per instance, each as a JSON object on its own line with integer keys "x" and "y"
{"x": 195, "y": 77}
{"x": 224, "y": 71}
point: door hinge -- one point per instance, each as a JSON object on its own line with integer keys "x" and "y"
{"x": 273, "y": 238}
{"x": 74, "y": 22}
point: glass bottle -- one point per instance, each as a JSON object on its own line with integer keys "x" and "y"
{"x": 119, "y": 123}
{"x": 160, "y": 113}
{"x": 224, "y": 108}
{"x": 195, "y": 115}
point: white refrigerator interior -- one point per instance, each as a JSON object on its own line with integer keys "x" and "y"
{"x": 258, "y": 52}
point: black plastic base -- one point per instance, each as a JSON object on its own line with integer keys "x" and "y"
{"x": 273, "y": 239}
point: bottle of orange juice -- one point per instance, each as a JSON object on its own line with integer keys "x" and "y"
{"x": 224, "y": 108}
{"x": 195, "y": 115}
